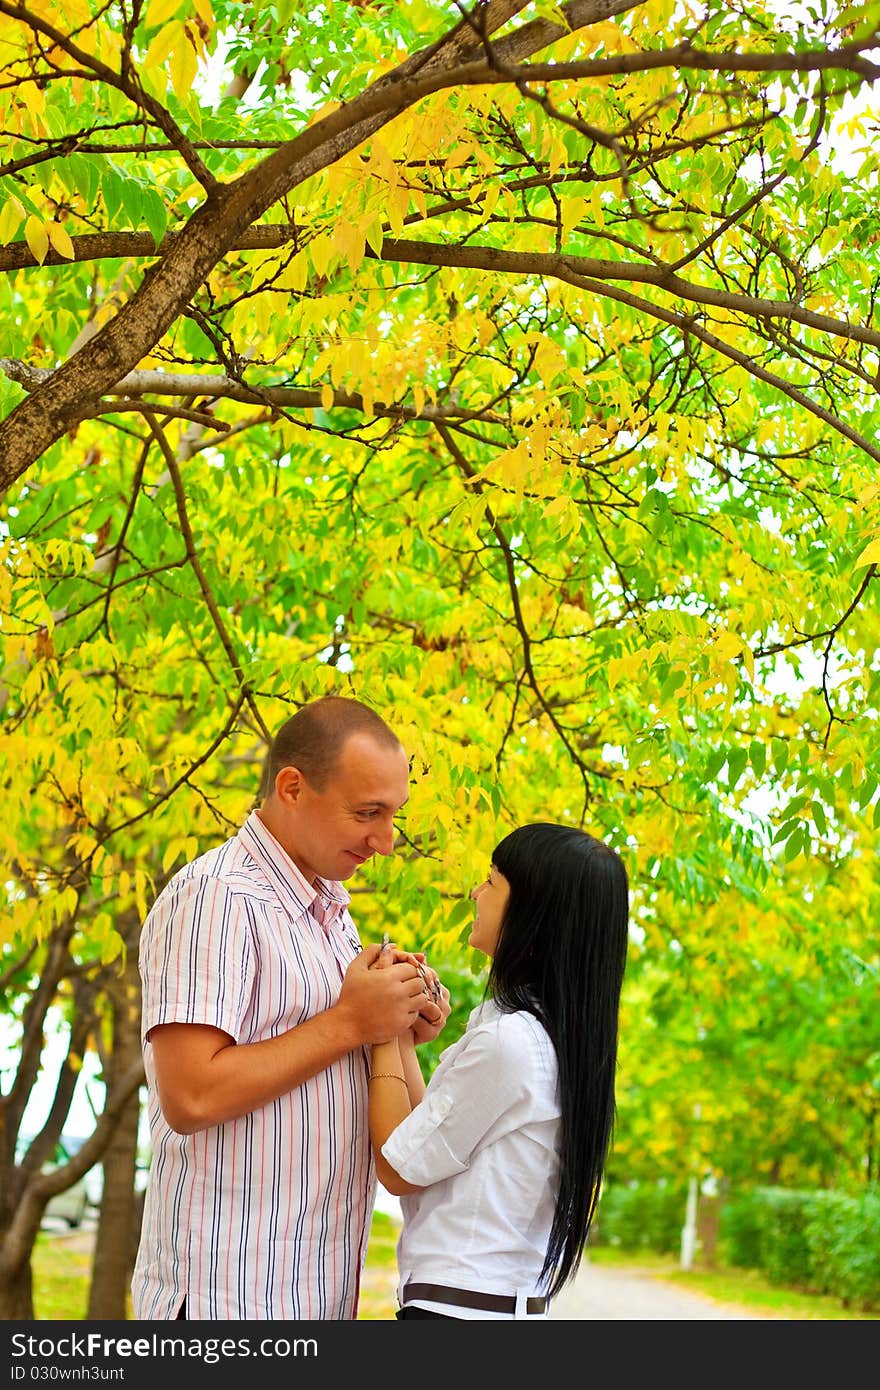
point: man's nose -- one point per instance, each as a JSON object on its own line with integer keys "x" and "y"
{"x": 381, "y": 839}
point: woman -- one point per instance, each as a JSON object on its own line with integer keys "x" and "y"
{"x": 499, "y": 1160}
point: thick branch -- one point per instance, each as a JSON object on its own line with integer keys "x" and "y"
{"x": 115, "y": 245}
{"x": 190, "y": 386}
{"x": 688, "y": 326}
{"x": 574, "y": 269}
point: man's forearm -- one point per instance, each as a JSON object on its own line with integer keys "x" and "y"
{"x": 226, "y": 1080}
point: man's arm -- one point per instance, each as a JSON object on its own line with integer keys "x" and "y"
{"x": 205, "y": 1078}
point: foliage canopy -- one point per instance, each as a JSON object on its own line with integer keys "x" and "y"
{"x": 516, "y": 369}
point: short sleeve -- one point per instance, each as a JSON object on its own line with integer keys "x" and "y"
{"x": 476, "y": 1098}
{"x": 196, "y": 958}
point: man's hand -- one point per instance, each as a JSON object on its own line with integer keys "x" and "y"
{"x": 383, "y": 1002}
{"x": 434, "y": 1006}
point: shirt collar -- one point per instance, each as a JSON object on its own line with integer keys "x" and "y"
{"x": 292, "y": 886}
{"x": 484, "y": 1012}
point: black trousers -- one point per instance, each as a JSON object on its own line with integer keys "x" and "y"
{"x": 413, "y": 1312}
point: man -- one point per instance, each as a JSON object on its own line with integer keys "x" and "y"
{"x": 259, "y": 1009}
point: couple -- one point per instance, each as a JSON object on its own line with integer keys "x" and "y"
{"x": 282, "y": 1070}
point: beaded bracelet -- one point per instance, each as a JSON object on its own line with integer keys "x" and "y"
{"x": 391, "y": 1075}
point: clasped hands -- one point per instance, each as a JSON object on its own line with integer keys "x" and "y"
{"x": 436, "y": 1008}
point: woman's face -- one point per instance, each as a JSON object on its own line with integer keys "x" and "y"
{"x": 491, "y": 897}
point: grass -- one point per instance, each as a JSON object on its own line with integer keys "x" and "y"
{"x": 62, "y": 1267}
{"x": 378, "y": 1300}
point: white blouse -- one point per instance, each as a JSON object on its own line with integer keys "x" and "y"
{"x": 483, "y": 1145}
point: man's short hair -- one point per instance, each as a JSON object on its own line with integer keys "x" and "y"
{"x": 313, "y": 739}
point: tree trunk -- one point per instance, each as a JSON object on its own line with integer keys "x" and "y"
{"x": 19, "y": 1229}
{"x": 16, "y": 1291}
{"x": 112, "y": 1262}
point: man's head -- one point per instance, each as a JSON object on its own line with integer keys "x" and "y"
{"x": 334, "y": 779}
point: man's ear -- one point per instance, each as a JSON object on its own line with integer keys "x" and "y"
{"x": 289, "y": 784}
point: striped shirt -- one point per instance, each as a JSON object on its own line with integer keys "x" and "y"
{"x": 266, "y": 1216}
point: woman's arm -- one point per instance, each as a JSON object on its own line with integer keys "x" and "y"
{"x": 415, "y": 1082}
{"x": 396, "y": 1085}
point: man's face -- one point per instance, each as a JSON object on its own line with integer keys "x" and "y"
{"x": 331, "y": 832}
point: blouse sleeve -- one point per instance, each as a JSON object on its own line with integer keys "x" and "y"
{"x": 477, "y": 1097}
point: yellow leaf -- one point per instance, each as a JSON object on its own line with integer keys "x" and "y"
{"x": 162, "y": 44}
{"x": 161, "y": 10}
{"x": 11, "y": 217}
{"x": 172, "y": 850}
{"x": 183, "y": 66}
{"x": 870, "y": 555}
{"x": 60, "y": 240}
{"x": 37, "y": 238}
{"x": 321, "y": 253}
{"x": 34, "y": 97}
{"x": 572, "y": 212}
{"x": 327, "y": 396}
{"x": 727, "y": 645}
{"x": 204, "y": 11}
{"x": 263, "y": 313}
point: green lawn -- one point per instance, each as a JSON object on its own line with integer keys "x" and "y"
{"x": 62, "y": 1267}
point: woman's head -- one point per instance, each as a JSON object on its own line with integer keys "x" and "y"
{"x": 551, "y": 888}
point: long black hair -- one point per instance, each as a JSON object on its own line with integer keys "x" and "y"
{"x": 561, "y": 955}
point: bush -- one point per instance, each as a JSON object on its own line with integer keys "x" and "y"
{"x": 640, "y": 1216}
{"x": 739, "y": 1230}
{"x": 785, "y": 1248}
{"x": 824, "y": 1242}
{"x": 844, "y": 1237}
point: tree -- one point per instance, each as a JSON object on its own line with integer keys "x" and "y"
{"x": 515, "y": 367}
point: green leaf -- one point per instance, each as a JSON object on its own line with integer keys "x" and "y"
{"x": 786, "y": 830}
{"x": 154, "y": 214}
{"x": 714, "y": 764}
{"x": 779, "y": 753}
{"x": 737, "y": 761}
{"x": 112, "y": 185}
{"x": 132, "y": 202}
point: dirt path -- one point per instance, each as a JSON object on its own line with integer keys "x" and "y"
{"x": 601, "y": 1293}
